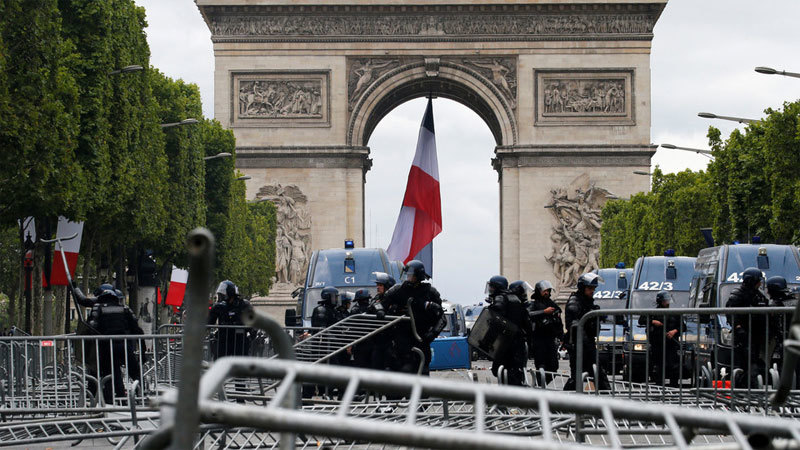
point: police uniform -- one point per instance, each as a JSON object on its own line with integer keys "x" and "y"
{"x": 362, "y": 352}
{"x": 110, "y": 317}
{"x": 749, "y": 332}
{"x": 323, "y": 315}
{"x": 514, "y": 357}
{"x": 547, "y": 330}
{"x": 664, "y": 359}
{"x": 426, "y": 306}
{"x": 230, "y": 341}
{"x": 577, "y": 306}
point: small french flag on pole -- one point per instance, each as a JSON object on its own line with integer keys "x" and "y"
{"x": 177, "y": 286}
{"x": 420, "y": 217}
{"x": 71, "y": 249}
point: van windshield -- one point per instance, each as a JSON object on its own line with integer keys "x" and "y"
{"x": 647, "y": 299}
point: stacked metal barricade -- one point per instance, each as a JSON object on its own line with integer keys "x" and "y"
{"x": 184, "y": 399}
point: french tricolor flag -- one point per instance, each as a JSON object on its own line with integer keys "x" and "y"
{"x": 177, "y": 286}
{"x": 420, "y": 217}
{"x": 71, "y": 248}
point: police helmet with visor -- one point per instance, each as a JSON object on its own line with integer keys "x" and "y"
{"x": 496, "y": 284}
{"x": 521, "y": 289}
{"x": 384, "y": 279}
{"x": 543, "y": 285}
{"x": 227, "y": 291}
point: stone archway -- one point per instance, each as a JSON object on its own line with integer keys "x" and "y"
{"x": 564, "y": 86}
{"x": 449, "y": 78}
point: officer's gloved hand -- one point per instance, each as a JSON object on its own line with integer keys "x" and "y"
{"x": 380, "y": 314}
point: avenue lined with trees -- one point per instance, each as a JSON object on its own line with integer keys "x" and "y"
{"x": 751, "y": 188}
{"x": 86, "y": 132}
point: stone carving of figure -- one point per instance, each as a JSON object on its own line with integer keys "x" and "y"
{"x": 499, "y": 73}
{"x": 293, "y": 237}
{"x": 366, "y": 74}
{"x": 576, "y": 233}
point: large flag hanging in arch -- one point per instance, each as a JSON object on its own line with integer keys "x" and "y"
{"x": 420, "y": 217}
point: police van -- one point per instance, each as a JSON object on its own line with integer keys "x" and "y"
{"x": 455, "y": 321}
{"x": 612, "y": 293}
{"x": 718, "y": 272}
{"x": 347, "y": 269}
{"x": 652, "y": 274}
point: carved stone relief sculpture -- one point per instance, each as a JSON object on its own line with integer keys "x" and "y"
{"x": 501, "y": 71}
{"x": 280, "y": 99}
{"x": 584, "y": 97}
{"x": 576, "y": 230}
{"x": 293, "y": 238}
{"x": 565, "y": 96}
{"x": 362, "y": 73}
{"x": 431, "y": 25}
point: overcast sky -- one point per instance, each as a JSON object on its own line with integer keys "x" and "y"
{"x": 703, "y": 57}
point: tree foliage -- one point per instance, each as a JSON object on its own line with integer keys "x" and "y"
{"x": 78, "y": 139}
{"x": 751, "y": 188}
{"x": 670, "y": 216}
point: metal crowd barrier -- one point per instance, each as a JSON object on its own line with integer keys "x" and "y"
{"x": 711, "y": 371}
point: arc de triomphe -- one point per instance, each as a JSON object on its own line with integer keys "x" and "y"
{"x": 564, "y": 86}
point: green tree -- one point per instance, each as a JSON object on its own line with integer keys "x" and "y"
{"x": 781, "y": 144}
{"x": 39, "y": 133}
{"x": 670, "y": 216}
{"x": 184, "y": 193}
{"x": 219, "y": 177}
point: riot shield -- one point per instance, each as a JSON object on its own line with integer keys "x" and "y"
{"x": 492, "y": 333}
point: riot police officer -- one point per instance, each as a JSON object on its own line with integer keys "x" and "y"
{"x": 663, "y": 337}
{"x": 110, "y": 317}
{"x": 548, "y": 328}
{"x": 343, "y": 308}
{"x": 381, "y": 350}
{"x": 362, "y": 352}
{"x": 232, "y": 339}
{"x": 780, "y": 295}
{"x": 749, "y": 331}
{"x": 324, "y": 314}
{"x": 514, "y": 356}
{"x": 427, "y": 314}
{"x": 581, "y": 302}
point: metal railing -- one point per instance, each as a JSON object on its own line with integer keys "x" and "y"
{"x": 707, "y": 366}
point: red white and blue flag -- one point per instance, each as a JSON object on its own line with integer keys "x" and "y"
{"x": 420, "y": 217}
{"x": 71, "y": 247}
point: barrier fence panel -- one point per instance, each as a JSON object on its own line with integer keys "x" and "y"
{"x": 448, "y": 414}
{"x": 728, "y": 358}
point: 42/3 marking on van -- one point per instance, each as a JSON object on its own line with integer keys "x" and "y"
{"x": 656, "y": 286}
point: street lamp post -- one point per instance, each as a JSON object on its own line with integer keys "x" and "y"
{"x": 699, "y": 151}
{"x": 28, "y": 264}
{"x": 126, "y": 69}
{"x": 218, "y": 155}
{"x": 771, "y": 71}
{"x": 707, "y": 115}
{"x": 189, "y": 121}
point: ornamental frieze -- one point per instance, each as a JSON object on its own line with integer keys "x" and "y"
{"x": 437, "y": 24}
